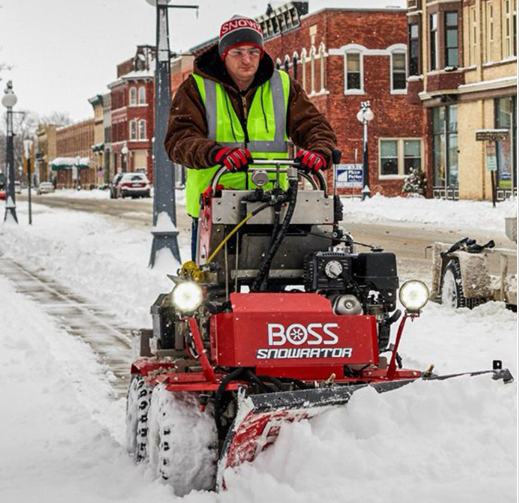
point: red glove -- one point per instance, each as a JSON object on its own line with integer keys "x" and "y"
{"x": 310, "y": 160}
{"x": 234, "y": 159}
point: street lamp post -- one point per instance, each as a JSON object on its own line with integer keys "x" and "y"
{"x": 164, "y": 212}
{"x": 365, "y": 115}
{"x": 9, "y": 101}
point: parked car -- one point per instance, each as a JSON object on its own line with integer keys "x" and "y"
{"x": 130, "y": 185}
{"x": 45, "y": 188}
{"x": 3, "y": 195}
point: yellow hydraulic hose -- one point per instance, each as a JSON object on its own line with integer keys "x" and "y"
{"x": 249, "y": 216}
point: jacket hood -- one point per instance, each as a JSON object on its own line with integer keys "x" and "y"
{"x": 210, "y": 65}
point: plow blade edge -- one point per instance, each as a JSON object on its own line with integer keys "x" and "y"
{"x": 260, "y": 417}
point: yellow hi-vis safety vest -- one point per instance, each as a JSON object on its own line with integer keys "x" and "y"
{"x": 266, "y": 128}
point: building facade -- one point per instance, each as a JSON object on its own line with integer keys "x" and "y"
{"x": 107, "y": 138}
{"x": 132, "y": 113}
{"x": 463, "y": 71}
{"x": 75, "y": 142}
{"x": 343, "y": 57}
{"x": 98, "y": 146}
{"x": 46, "y": 150}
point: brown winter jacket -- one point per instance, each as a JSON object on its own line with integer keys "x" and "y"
{"x": 186, "y": 139}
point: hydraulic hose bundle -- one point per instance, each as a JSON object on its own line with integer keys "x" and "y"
{"x": 275, "y": 243}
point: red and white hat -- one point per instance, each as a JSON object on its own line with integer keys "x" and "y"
{"x": 239, "y": 30}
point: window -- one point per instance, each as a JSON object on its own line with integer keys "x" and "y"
{"x": 398, "y": 74}
{"x": 142, "y": 130}
{"x": 445, "y": 146}
{"x": 312, "y": 70}
{"x": 433, "y": 41}
{"x": 506, "y": 118}
{"x": 451, "y": 39}
{"x": 388, "y": 157}
{"x": 414, "y": 50}
{"x": 412, "y": 155}
{"x": 294, "y": 65}
{"x": 286, "y": 64}
{"x": 322, "y": 54}
{"x": 398, "y": 157}
{"x": 278, "y": 64}
{"x": 473, "y": 32}
{"x": 353, "y": 72}
{"x": 489, "y": 39}
{"x": 133, "y": 96}
{"x": 142, "y": 95}
{"x": 509, "y": 28}
{"x": 133, "y": 130}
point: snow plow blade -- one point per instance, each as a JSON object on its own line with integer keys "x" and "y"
{"x": 260, "y": 417}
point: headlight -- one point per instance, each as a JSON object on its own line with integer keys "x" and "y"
{"x": 414, "y": 295}
{"x": 187, "y": 296}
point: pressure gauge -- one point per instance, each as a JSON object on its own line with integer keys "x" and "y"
{"x": 333, "y": 269}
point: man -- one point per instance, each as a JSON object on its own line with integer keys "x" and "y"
{"x": 235, "y": 106}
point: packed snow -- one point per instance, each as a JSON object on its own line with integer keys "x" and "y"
{"x": 62, "y": 429}
{"x": 433, "y": 213}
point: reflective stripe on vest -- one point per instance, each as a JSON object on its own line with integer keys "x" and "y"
{"x": 266, "y": 128}
{"x": 278, "y": 143}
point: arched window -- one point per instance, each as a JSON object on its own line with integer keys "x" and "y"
{"x": 286, "y": 63}
{"x": 142, "y": 130}
{"x": 322, "y": 54}
{"x": 278, "y": 63}
{"x": 133, "y": 96}
{"x": 295, "y": 57}
{"x": 312, "y": 70}
{"x": 142, "y": 95}
{"x": 133, "y": 129}
{"x": 303, "y": 66}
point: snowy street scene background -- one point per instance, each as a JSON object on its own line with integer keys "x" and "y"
{"x": 63, "y": 434}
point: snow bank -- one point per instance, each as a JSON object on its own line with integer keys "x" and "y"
{"x": 436, "y": 213}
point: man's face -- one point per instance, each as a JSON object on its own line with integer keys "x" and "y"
{"x": 242, "y": 62}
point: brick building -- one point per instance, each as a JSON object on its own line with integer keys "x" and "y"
{"x": 132, "y": 113}
{"x": 98, "y": 146}
{"x": 45, "y": 150}
{"x": 73, "y": 144}
{"x": 463, "y": 71}
{"x": 343, "y": 57}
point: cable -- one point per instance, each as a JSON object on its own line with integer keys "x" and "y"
{"x": 248, "y": 217}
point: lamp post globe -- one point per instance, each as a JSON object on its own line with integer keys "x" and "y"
{"x": 369, "y": 115}
{"x": 9, "y": 99}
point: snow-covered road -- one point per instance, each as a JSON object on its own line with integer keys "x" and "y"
{"x": 61, "y": 429}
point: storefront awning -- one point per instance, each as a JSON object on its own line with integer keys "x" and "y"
{"x": 62, "y": 163}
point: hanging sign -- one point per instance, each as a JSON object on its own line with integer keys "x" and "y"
{"x": 491, "y": 156}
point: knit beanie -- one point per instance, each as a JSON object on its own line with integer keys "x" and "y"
{"x": 238, "y": 31}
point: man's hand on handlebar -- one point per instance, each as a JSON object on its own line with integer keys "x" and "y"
{"x": 311, "y": 161}
{"x": 234, "y": 159}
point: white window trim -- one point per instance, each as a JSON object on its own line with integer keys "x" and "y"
{"x": 142, "y": 121}
{"x": 133, "y": 94}
{"x": 322, "y": 54}
{"x": 312, "y": 70}
{"x": 139, "y": 102}
{"x": 400, "y": 156}
{"x": 391, "y": 89}
{"x": 361, "y": 63}
{"x": 436, "y": 40}
{"x": 135, "y": 136}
